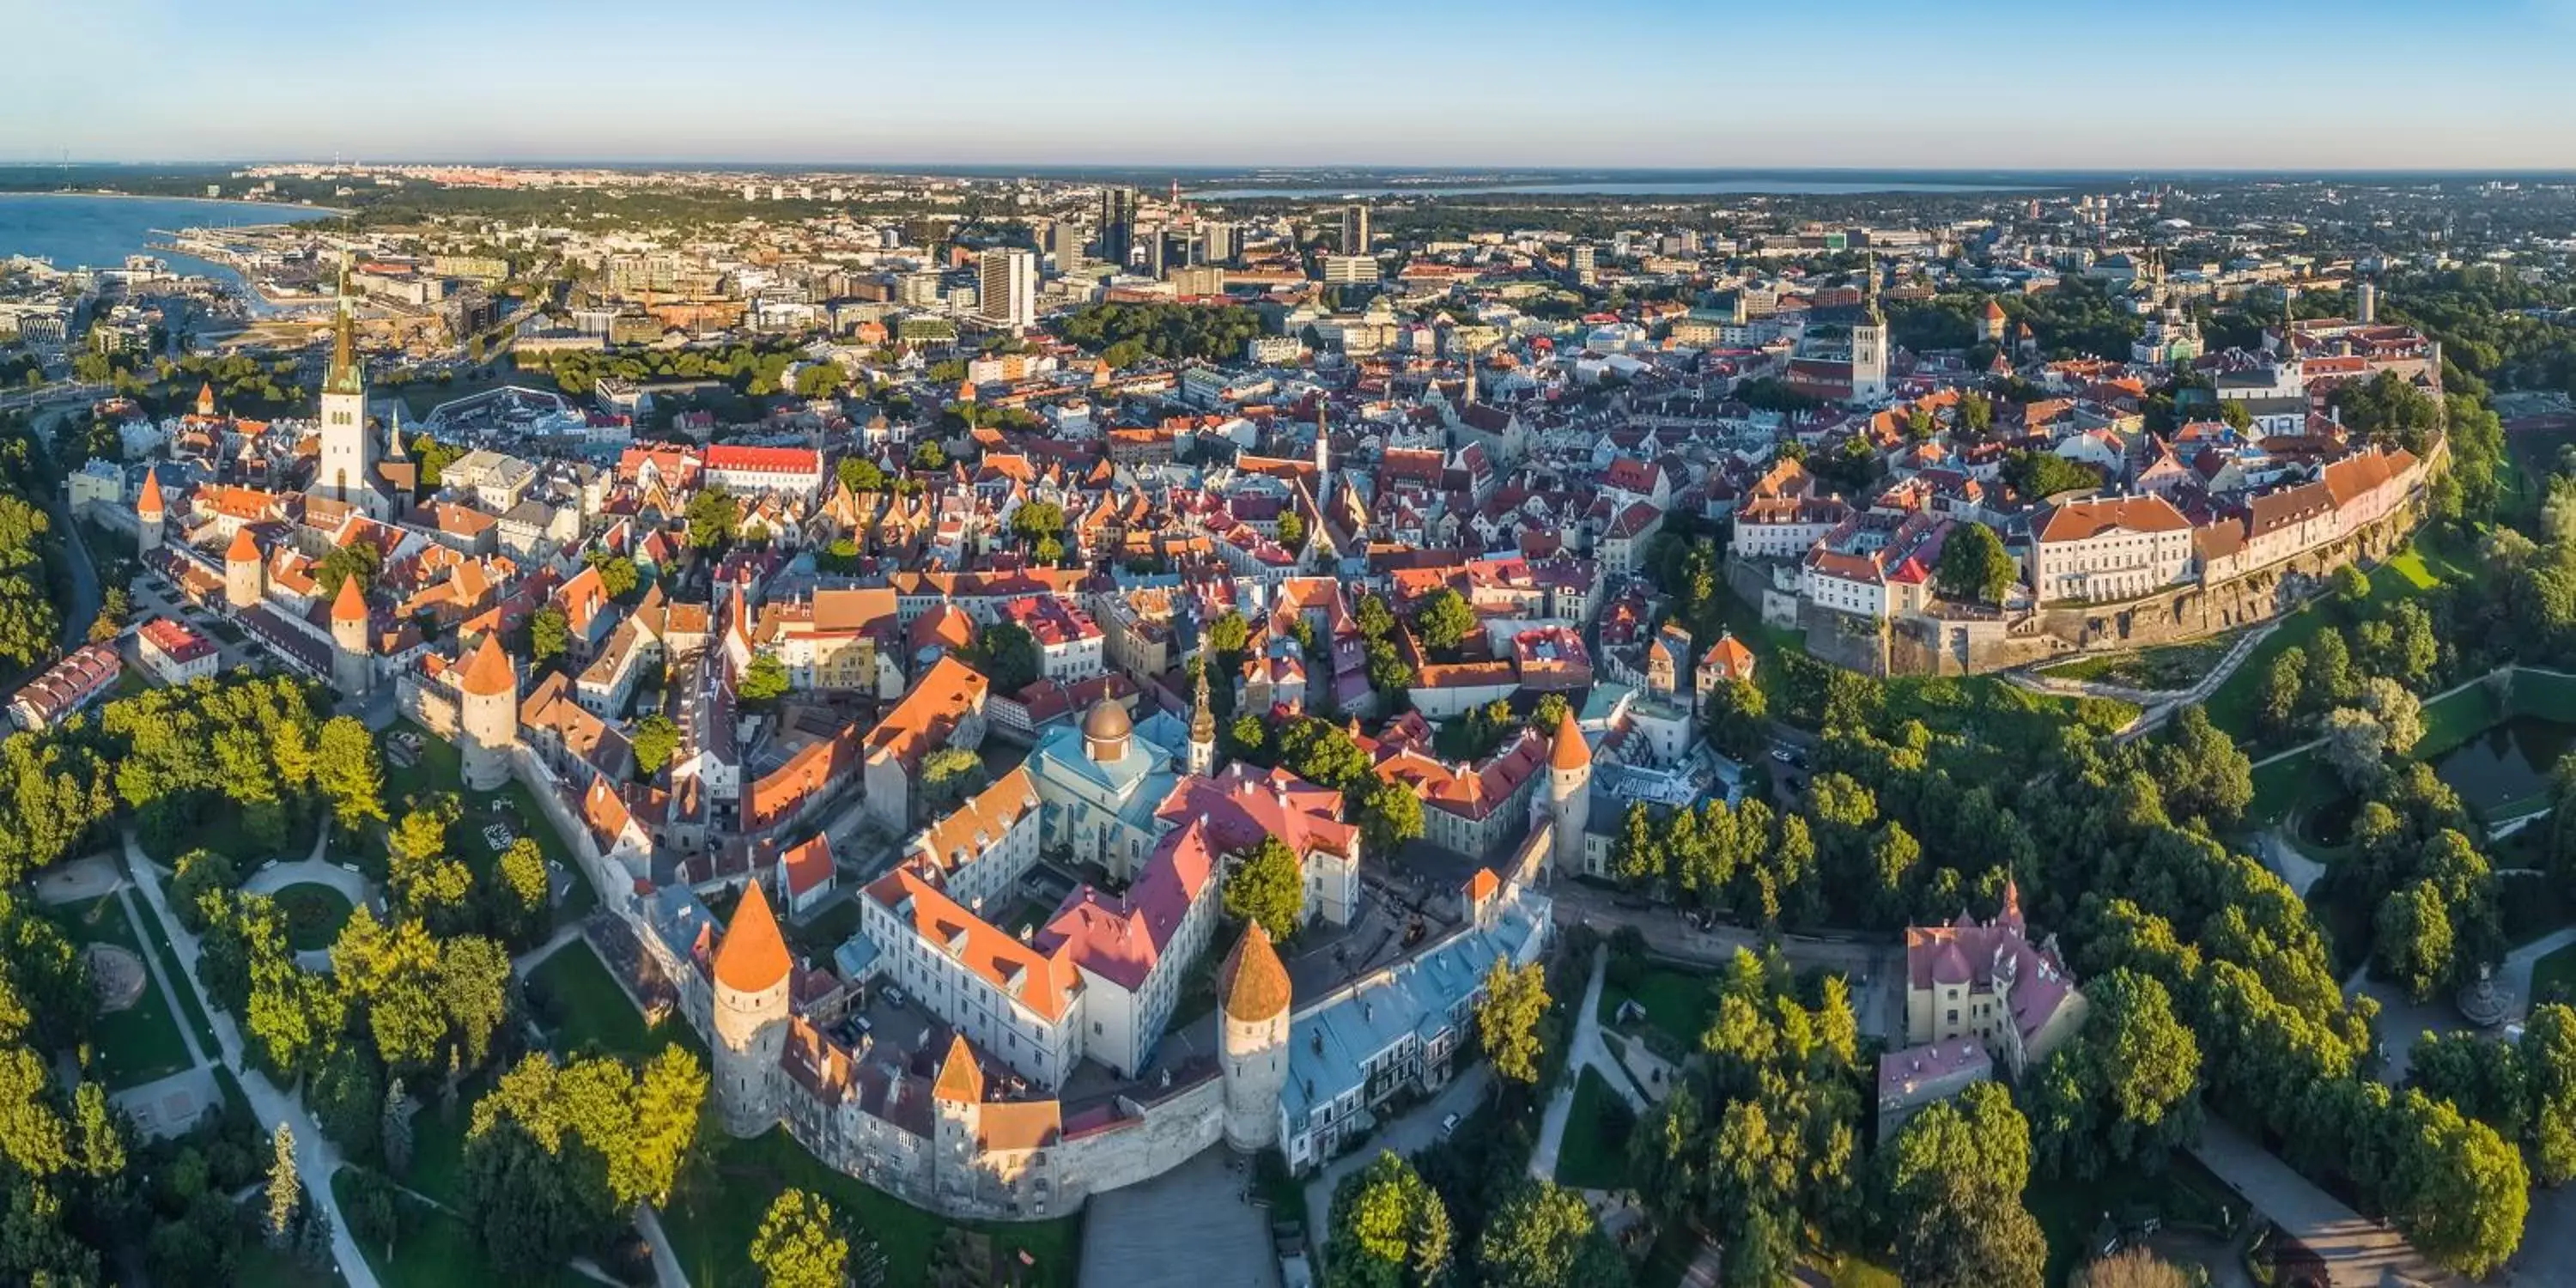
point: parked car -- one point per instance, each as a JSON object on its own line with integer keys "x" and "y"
{"x": 1448, "y": 1126}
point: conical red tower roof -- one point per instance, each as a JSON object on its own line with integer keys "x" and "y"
{"x": 149, "y": 505}
{"x": 243, "y": 550}
{"x": 1255, "y": 983}
{"x": 1569, "y": 752}
{"x": 349, "y": 605}
{"x": 753, "y": 957}
{"x": 489, "y": 671}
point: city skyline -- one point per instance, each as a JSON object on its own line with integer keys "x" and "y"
{"x": 1639, "y": 85}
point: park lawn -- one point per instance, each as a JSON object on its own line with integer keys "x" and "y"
{"x": 1854, "y": 1271}
{"x": 2071, "y": 1212}
{"x": 221, "y": 828}
{"x": 435, "y": 1250}
{"x": 2554, "y": 975}
{"x": 718, "y": 1204}
{"x": 1594, "y": 1153}
{"x": 1677, "y": 1003}
{"x": 2457, "y": 718}
{"x": 818, "y": 935}
{"x": 441, "y": 769}
{"x": 158, "y": 936}
{"x": 314, "y": 915}
{"x": 2545, "y": 694}
{"x": 2298, "y": 781}
{"x": 142, "y": 1042}
{"x": 2415, "y": 569}
{"x": 591, "y": 1012}
{"x": 256, "y": 1265}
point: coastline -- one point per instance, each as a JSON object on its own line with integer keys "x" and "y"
{"x": 152, "y": 196}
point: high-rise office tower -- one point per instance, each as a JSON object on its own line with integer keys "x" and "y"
{"x": 1006, "y": 286}
{"x": 1067, "y": 239}
{"x": 1219, "y": 237}
{"x": 1117, "y": 225}
{"x": 1355, "y": 232}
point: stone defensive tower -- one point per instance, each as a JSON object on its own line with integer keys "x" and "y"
{"x": 352, "y": 667}
{"x": 149, "y": 513}
{"x": 488, "y": 718}
{"x": 1569, "y": 793}
{"x": 751, "y": 974}
{"x": 245, "y": 573}
{"x": 1252, "y": 1041}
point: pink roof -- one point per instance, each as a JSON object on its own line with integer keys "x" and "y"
{"x": 1245, "y": 803}
{"x": 1119, "y": 938}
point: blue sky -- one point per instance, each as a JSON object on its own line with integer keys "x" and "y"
{"x": 2022, "y": 83}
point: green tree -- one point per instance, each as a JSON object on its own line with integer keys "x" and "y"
{"x": 549, "y": 634}
{"x": 800, "y": 1243}
{"x": 518, "y": 892}
{"x": 950, "y": 775}
{"x": 1037, "y": 521}
{"x": 1445, "y": 620}
{"x": 1510, "y": 1019}
{"x": 1387, "y": 1229}
{"x": 1008, "y": 656}
{"x": 1955, "y": 1179}
{"x": 349, "y": 771}
{"x": 285, "y": 1193}
{"x": 2459, "y": 1191}
{"x": 860, "y": 474}
{"x": 765, "y": 681}
{"x": 2124, "y": 1091}
{"x": 2412, "y": 939}
{"x": 714, "y": 518}
{"x": 1268, "y": 886}
{"x": 656, "y": 738}
{"x": 2284, "y": 692}
{"x": 1228, "y": 634}
{"x": 1390, "y": 816}
{"x": 199, "y": 872}
{"x": 618, "y": 574}
{"x": 1545, "y": 1236}
{"x": 1975, "y": 566}
{"x": 357, "y": 559}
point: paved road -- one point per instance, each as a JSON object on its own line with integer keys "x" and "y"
{"x": 1410, "y": 1134}
{"x": 2357, "y": 1252}
{"x": 1586, "y": 1052}
{"x": 84, "y": 605}
{"x": 79, "y": 881}
{"x": 1191, "y": 1227}
{"x": 1874, "y": 969}
{"x": 316, "y": 1158}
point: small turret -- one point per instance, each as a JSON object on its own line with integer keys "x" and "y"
{"x": 1569, "y": 792}
{"x": 149, "y": 514}
{"x": 352, "y": 666}
{"x": 245, "y": 573}
{"x": 488, "y": 714}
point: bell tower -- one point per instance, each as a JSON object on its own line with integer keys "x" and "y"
{"x": 348, "y": 466}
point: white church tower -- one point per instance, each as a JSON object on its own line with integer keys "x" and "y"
{"x": 348, "y": 468}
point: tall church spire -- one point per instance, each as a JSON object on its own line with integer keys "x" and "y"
{"x": 345, "y": 376}
{"x": 1203, "y": 719}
